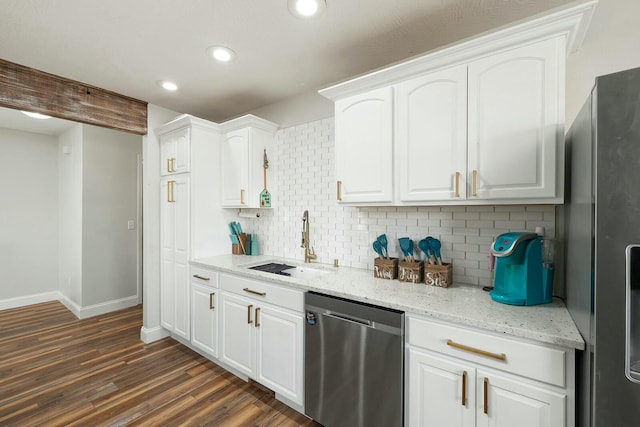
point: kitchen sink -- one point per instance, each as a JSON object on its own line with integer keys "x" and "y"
{"x": 306, "y": 272}
{"x": 288, "y": 270}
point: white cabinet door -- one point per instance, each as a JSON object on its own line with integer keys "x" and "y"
{"x": 181, "y": 252}
{"x": 441, "y": 392}
{"x": 503, "y": 402}
{"x": 204, "y": 329}
{"x": 175, "y": 156}
{"x": 431, "y": 137}
{"x": 174, "y": 243}
{"x": 364, "y": 147}
{"x": 237, "y": 335}
{"x": 279, "y": 351}
{"x": 235, "y": 168}
{"x": 515, "y": 120}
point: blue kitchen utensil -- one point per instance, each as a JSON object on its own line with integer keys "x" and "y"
{"x": 382, "y": 239}
{"x": 424, "y": 246}
{"x": 432, "y": 258}
{"x": 406, "y": 245}
{"x": 378, "y": 248}
{"x": 234, "y": 239}
{"x": 410, "y": 250}
{"x": 435, "y": 245}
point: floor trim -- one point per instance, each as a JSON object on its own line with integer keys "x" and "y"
{"x": 22, "y": 301}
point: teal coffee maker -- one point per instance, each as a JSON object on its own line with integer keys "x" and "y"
{"x": 523, "y": 269}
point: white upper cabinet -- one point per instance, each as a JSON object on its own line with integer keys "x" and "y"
{"x": 431, "y": 136}
{"x": 235, "y": 167}
{"x": 175, "y": 151}
{"x": 364, "y": 147}
{"x": 515, "y": 122}
{"x": 478, "y": 122}
{"x": 243, "y": 146}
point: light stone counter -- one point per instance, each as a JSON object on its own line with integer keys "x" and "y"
{"x": 460, "y": 304}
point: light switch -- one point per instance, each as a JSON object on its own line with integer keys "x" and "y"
{"x": 131, "y": 224}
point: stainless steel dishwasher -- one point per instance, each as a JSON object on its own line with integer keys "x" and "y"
{"x": 354, "y": 366}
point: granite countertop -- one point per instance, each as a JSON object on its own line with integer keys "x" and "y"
{"x": 460, "y": 304}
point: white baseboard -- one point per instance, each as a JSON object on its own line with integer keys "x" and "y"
{"x": 149, "y": 335}
{"x": 97, "y": 309}
{"x": 16, "y": 302}
{"x": 71, "y": 306}
{"x": 107, "y": 307}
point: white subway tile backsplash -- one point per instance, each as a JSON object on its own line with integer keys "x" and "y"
{"x": 301, "y": 177}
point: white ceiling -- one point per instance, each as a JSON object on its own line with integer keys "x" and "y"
{"x": 128, "y": 45}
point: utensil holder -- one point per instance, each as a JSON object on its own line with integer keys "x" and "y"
{"x": 410, "y": 271}
{"x": 385, "y": 268}
{"x": 438, "y": 275}
{"x": 238, "y": 249}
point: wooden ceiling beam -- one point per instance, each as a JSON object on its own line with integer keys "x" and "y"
{"x": 28, "y": 89}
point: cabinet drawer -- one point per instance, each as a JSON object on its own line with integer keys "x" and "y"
{"x": 537, "y": 362}
{"x": 266, "y": 292}
{"x": 204, "y": 277}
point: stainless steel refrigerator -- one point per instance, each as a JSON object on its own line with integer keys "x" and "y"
{"x": 602, "y": 234}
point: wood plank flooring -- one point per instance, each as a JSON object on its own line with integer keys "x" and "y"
{"x": 56, "y": 370}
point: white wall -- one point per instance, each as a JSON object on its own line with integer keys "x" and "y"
{"x": 70, "y": 214}
{"x": 305, "y": 108}
{"x": 612, "y": 44}
{"x": 109, "y": 200}
{"x": 28, "y": 216}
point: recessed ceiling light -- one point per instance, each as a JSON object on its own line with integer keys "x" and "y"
{"x": 221, "y": 53}
{"x": 36, "y": 115}
{"x": 167, "y": 85}
{"x": 306, "y": 8}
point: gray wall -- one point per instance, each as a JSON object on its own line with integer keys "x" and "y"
{"x": 109, "y": 201}
{"x": 28, "y": 214}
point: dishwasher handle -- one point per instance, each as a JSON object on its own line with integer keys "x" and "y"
{"x": 350, "y": 319}
{"x": 363, "y": 322}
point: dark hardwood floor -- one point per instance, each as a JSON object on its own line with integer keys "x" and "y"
{"x": 56, "y": 370}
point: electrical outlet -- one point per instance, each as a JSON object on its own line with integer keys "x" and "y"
{"x": 131, "y": 224}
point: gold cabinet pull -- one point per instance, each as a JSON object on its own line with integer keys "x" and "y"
{"x": 173, "y": 164}
{"x": 168, "y": 165}
{"x": 464, "y": 388}
{"x": 170, "y": 190}
{"x": 474, "y": 192}
{"x": 242, "y": 197}
{"x": 249, "y": 307}
{"x": 486, "y": 395}
{"x": 499, "y": 356}
{"x": 457, "y": 184}
{"x": 251, "y": 291}
{"x": 257, "y": 318}
{"x": 211, "y": 295}
{"x": 197, "y": 276}
{"x": 173, "y": 191}
{"x": 339, "y": 191}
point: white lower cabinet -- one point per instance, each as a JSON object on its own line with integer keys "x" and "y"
{"x": 441, "y": 392}
{"x": 174, "y": 255}
{"x": 204, "y": 311}
{"x": 262, "y": 340}
{"x": 463, "y": 378}
{"x": 504, "y": 402}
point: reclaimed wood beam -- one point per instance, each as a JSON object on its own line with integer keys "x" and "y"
{"x": 28, "y": 89}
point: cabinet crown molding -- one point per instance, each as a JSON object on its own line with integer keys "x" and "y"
{"x": 184, "y": 120}
{"x": 570, "y": 22}
{"x": 249, "y": 120}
